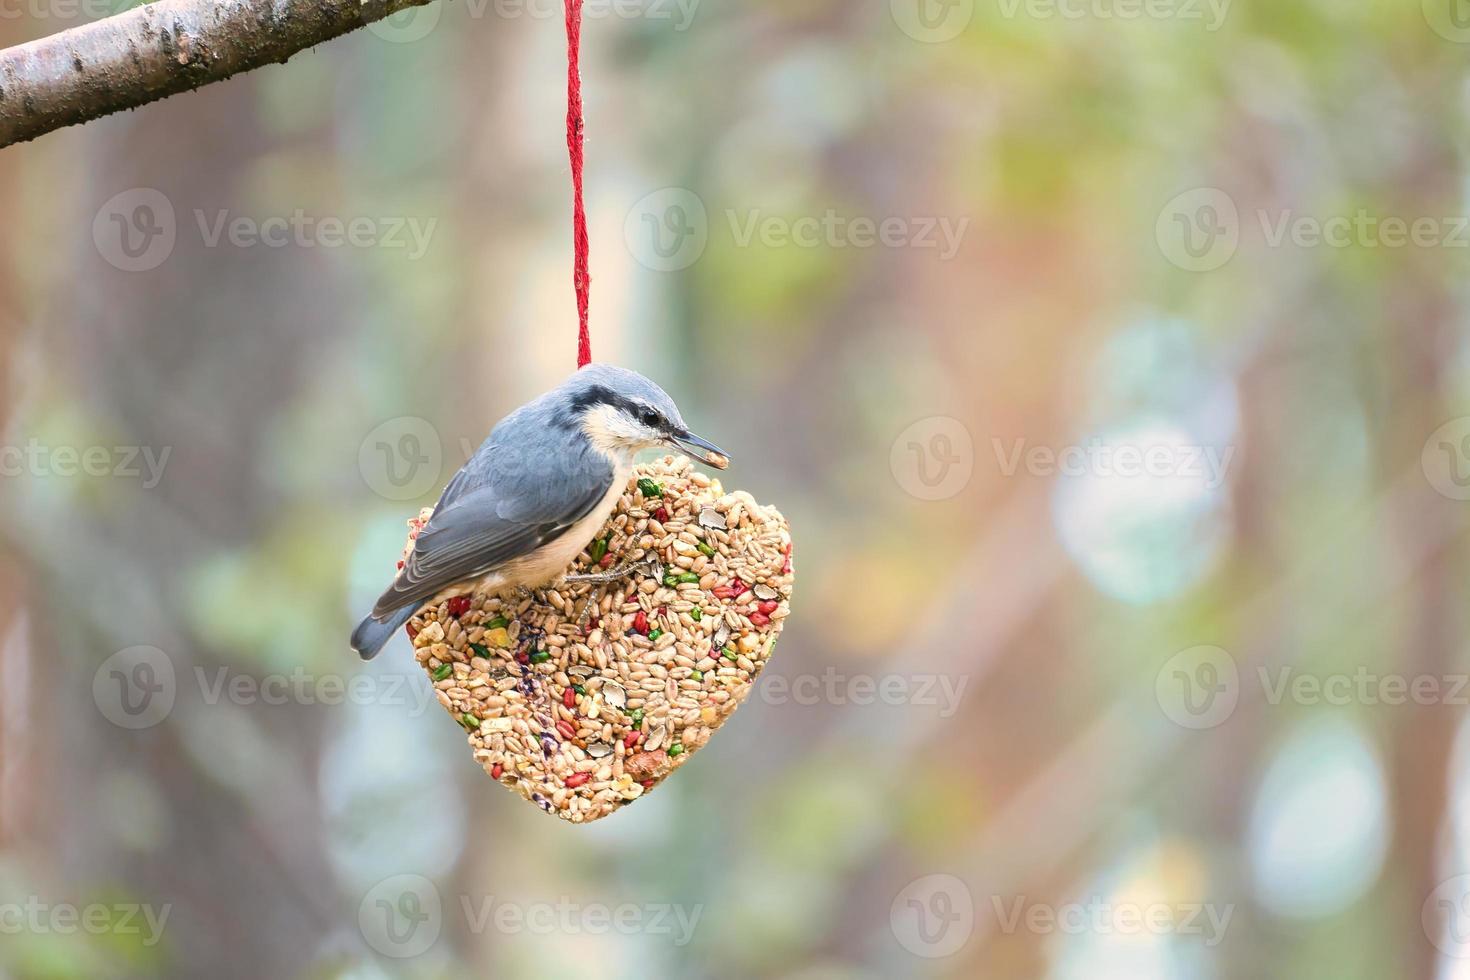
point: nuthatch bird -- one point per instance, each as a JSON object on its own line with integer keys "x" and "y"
{"x": 534, "y": 495}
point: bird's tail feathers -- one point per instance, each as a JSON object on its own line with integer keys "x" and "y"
{"x": 372, "y": 634}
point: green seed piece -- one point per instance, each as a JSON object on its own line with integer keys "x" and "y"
{"x": 698, "y": 675}
{"x": 689, "y": 578}
{"x": 498, "y": 623}
{"x": 705, "y": 549}
{"x": 696, "y": 614}
{"x": 599, "y": 549}
{"x": 481, "y": 650}
{"x": 649, "y": 488}
{"x": 442, "y": 672}
{"x": 470, "y": 723}
{"x": 654, "y": 635}
{"x": 730, "y": 653}
{"x": 636, "y": 716}
{"x": 579, "y": 689}
{"x": 540, "y": 656}
{"x": 675, "y": 749}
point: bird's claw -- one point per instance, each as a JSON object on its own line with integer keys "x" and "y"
{"x": 651, "y": 567}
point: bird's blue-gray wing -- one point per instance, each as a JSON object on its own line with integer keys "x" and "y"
{"x": 513, "y": 497}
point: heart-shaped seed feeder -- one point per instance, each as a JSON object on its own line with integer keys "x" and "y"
{"x": 582, "y": 697}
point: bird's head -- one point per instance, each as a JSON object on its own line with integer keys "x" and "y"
{"x": 622, "y": 412}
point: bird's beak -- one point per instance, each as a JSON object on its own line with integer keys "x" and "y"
{"x": 701, "y": 449}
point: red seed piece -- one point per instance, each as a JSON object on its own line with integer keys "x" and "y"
{"x": 647, "y": 784}
{"x": 577, "y": 779}
{"x": 769, "y": 606}
{"x": 607, "y": 561}
{"x": 569, "y": 698}
{"x": 459, "y": 605}
{"x": 740, "y": 587}
{"x": 631, "y": 739}
{"x": 413, "y": 634}
{"x": 640, "y": 623}
{"x": 400, "y": 566}
{"x": 760, "y": 620}
{"x": 497, "y": 771}
{"x": 566, "y": 729}
{"x": 722, "y": 592}
{"x": 523, "y": 657}
{"x": 661, "y": 515}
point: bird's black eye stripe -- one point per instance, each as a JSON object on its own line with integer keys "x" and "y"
{"x": 601, "y": 395}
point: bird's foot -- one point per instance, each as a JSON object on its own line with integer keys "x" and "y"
{"x": 648, "y": 566}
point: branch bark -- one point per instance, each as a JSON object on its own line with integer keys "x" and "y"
{"x": 162, "y": 49}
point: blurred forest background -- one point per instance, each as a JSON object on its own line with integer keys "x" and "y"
{"x": 939, "y": 274}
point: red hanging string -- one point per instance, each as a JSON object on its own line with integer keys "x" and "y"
{"x": 580, "y": 277}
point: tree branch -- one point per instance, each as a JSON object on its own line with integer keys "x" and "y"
{"x": 159, "y": 50}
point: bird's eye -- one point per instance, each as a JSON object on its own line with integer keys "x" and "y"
{"x": 649, "y": 417}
